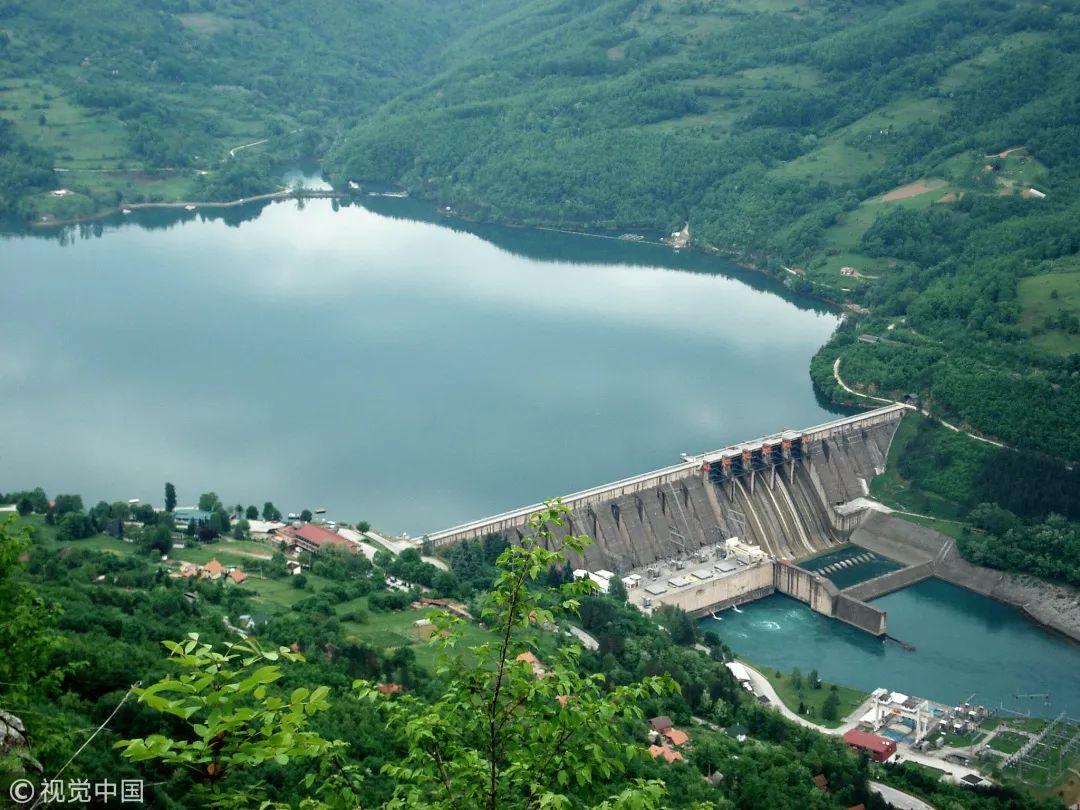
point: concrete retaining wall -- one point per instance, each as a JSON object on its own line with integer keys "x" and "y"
{"x": 1055, "y": 607}
{"x": 900, "y": 540}
{"x": 764, "y": 579}
{"x": 892, "y": 581}
{"x": 859, "y": 614}
{"x": 753, "y": 582}
{"x": 806, "y": 586}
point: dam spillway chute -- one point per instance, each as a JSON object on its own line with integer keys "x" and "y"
{"x": 791, "y": 493}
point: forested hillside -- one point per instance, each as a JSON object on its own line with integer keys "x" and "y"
{"x": 916, "y": 158}
{"x": 139, "y": 101}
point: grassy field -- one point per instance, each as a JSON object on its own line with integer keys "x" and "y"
{"x": 47, "y": 118}
{"x": 1008, "y": 742}
{"x": 92, "y": 154}
{"x": 1032, "y": 724}
{"x": 968, "y": 70}
{"x": 242, "y": 550}
{"x": 397, "y": 629}
{"x": 105, "y": 543}
{"x": 842, "y": 240}
{"x": 1019, "y": 171}
{"x": 1050, "y": 296}
{"x": 382, "y": 630}
{"x": 864, "y": 145}
{"x": 925, "y": 770}
{"x": 963, "y": 740}
{"x": 812, "y": 699}
{"x": 953, "y": 528}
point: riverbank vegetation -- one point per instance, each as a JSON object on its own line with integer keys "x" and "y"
{"x": 826, "y": 704}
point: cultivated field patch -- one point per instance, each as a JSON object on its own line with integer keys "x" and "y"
{"x": 915, "y": 189}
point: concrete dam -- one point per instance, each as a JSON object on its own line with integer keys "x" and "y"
{"x": 791, "y": 494}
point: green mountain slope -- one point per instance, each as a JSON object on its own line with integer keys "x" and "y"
{"x": 141, "y": 101}
{"x": 915, "y": 157}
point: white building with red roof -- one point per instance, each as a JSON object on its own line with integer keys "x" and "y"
{"x": 309, "y": 537}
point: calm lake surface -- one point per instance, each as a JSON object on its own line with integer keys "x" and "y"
{"x": 965, "y": 643}
{"x": 412, "y": 373}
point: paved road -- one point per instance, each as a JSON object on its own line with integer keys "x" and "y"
{"x": 356, "y": 537}
{"x": 899, "y": 799}
{"x": 924, "y": 412}
{"x": 391, "y": 545}
{"x": 587, "y": 641}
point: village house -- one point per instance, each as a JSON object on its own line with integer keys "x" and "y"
{"x": 311, "y": 538}
{"x": 665, "y": 752}
{"x": 660, "y": 723}
{"x": 534, "y": 663}
{"x": 675, "y": 736}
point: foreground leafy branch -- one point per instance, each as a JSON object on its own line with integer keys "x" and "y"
{"x": 510, "y": 731}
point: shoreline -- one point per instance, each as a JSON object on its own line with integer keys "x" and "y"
{"x": 704, "y": 250}
{"x": 281, "y": 194}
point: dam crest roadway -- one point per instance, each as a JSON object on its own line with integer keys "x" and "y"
{"x": 750, "y": 508}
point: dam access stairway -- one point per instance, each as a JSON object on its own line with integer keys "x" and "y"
{"x": 792, "y": 494}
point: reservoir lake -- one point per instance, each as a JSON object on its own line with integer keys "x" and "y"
{"x": 382, "y": 362}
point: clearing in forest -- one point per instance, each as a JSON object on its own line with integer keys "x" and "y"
{"x": 916, "y": 189}
{"x": 1050, "y": 305}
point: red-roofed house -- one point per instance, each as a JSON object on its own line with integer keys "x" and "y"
{"x": 666, "y": 753}
{"x": 213, "y": 569}
{"x": 390, "y": 688}
{"x": 534, "y": 664}
{"x": 676, "y": 737}
{"x": 309, "y": 537}
{"x": 237, "y": 576}
{"x": 661, "y": 723}
{"x": 879, "y": 748}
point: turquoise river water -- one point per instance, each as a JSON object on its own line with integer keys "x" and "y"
{"x": 965, "y": 644}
